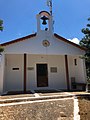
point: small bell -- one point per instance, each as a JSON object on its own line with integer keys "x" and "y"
{"x": 44, "y": 22}
{"x": 44, "y": 18}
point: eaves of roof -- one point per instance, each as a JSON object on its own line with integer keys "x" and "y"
{"x": 69, "y": 42}
{"x": 33, "y": 35}
{"x": 18, "y": 40}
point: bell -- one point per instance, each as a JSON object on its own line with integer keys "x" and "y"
{"x": 44, "y": 22}
{"x": 44, "y": 18}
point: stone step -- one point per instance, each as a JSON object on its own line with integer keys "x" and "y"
{"x": 24, "y": 99}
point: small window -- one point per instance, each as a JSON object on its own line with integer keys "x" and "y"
{"x": 75, "y": 62}
{"x": 15, "y": 68}
{"x": 53, "y": 69}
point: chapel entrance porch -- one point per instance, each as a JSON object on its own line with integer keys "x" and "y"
{"x": 21, "y": 72}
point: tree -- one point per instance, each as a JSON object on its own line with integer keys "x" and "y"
{"x": 1, "y": 23}
{"x": 1, "y": 49}
{"x": 1, "y": 29}
{"x": 85, "y": 42}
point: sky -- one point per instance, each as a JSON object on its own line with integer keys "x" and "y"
{"x": 19, "y": 17}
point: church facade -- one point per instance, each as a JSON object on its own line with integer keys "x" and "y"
{"x": 43, "y": 60}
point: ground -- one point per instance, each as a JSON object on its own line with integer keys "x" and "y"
{"x": 44, "y": 105}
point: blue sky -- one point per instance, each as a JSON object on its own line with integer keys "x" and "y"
{"x": 19, "y": 17}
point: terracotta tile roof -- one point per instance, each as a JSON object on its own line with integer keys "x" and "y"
{"x": 69, "y": 42}
{"x": 18, "y": 40}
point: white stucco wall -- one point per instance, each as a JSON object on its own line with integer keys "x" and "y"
{"x": 78, "y": 71}
{"x": 37, "y": 54}
{"x": 34, "y": 46}
{"x": 13, "y": 78}
{"x": 56, "y": 80}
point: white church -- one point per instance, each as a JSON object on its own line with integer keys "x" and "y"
{"x": 42, "y": 61}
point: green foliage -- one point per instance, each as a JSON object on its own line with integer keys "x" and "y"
{"x": 1, "y": 23}
{"x": 85, "y": 42}
{"x": 1, "y": 29}
{"x": 1, "y": 49}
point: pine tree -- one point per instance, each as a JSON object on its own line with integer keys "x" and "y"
{"x": 85, "y": 42}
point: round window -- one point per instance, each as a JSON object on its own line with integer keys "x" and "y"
{"x": 46, "y": 43}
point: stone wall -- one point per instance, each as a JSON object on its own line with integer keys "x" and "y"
{"x": 60, "y": 109}
{"x": 84, "y": 108}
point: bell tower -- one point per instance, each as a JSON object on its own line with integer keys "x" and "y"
{"x": 44, "y": 22}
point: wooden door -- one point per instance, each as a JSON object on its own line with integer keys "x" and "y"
{"x": 42, "y": 75}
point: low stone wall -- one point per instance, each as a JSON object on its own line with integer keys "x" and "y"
{"x": 84, "y": 107}
{"x": 60, "y": 109}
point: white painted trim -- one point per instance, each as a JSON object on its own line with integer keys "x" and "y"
{"x": 76, "y": 109}
{"x": 28, "y": 102}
